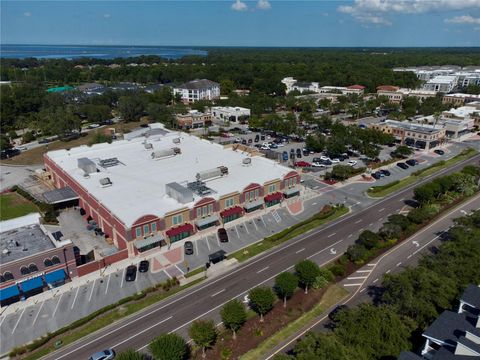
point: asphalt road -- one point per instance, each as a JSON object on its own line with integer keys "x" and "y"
{"x": 364, "y": 283}
{"x": 204, "y": 300}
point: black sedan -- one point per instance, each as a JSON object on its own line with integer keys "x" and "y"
{"x": 402, "y": 165}
{"x": 143, "y": 266}
{"x": 131, "y": 273}
{"x": 385, "y": 172}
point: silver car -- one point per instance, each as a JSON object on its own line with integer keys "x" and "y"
{"x": 108, "y": 354}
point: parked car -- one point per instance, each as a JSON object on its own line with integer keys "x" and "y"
{"x": 273, "y": 146}
{"x": 262, "y": 137}
{"x": 93, "y": 126}
{"x": 222, "y": 235}
{"x": 412, "y": 162}
{"x": 402, "y": 165}
{"x": 305, "y": 152}
{"x": 108, "y": 354}
{"x": 317, "y": 164}
{"x": 188, "y": 248}
{"x": 250, "y": 141}
{"x": 324, "y": 158}
{"x": 327, "y": 162}
{"x": 439, "y": 152}
{"x": 302, "y": 164}
{"x": 257, "y": 138}
{"x": 352, "y": 162}
{"x": 285, "y": 156}
{"x": 131, "y": 273}
{"x": 244, "y": 142}
{"x": 385, "y": 172}
{"x": 143, "y": 266}
{"x": 377, "y": 175}
{"x": 335, "y": 161}
{"x": 292, "y": 151}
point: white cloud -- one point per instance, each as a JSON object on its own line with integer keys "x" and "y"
{"x": 238, "y": 5}
{"x": 27, "y": 14}
{"x": 107, "y": 16}
{"x": 373, "y": 11}
{"x": 263, "y": 5}
{"x": 465, "y": 19}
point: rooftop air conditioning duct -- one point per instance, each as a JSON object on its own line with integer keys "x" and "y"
{"x": 212, "y": 173}
{"x": 176, "y": 141}
{"x": 159, "y": 154}
{"x": 247, "y": 161}
{"x": 148, "y": 146}
{"x": 87, "y": 165}
{"x": 105, "y": 182}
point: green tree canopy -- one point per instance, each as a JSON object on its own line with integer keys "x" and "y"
{"x": 169, "y": 347}
{"x": 129, "y": 354}
{"x": 285, "y": 285}
{"x": 203, "y": 333}
{"x": 233, "y": 315}
{"x": 261, "y": 300}
{"x": 307, "y": 271}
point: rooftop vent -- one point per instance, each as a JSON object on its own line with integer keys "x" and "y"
{"x": 148, "y": 146}
{"x": 212, "y": 173}
{"x": 179, "y": 192}
{"x": 160, "y": 154}
{"x": 247, "y": 161}
{"x": 199, "y": 188}
{"x": 105, "y": 182}
{"x": 176, "y": 141}
{"x": 87, "y": 165}
{"x": 106, "y": 163}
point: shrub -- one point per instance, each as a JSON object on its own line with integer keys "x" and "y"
{"x": 369, "y": 239}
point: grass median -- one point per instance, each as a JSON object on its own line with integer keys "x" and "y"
{"x": 384, "y": 190}
{"x": 328, "y": 213}
{"x": 94, "y": 322}
{"x": 332, "y": 296}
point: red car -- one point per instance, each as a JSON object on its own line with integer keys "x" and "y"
{"x": 302, "y": 164}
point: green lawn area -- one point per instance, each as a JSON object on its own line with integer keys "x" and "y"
{"x": 13, "y": 205}
{"x": 289, "y": 233}
{"x": 332, "y": 296}
{"x": 384, "y": 190}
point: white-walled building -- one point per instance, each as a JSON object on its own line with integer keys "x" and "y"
{"x": 199, "y": 89}
{"x": 230, "y": 113}
{"x": 444, "y": 84}
{"x": 302, "y": 87}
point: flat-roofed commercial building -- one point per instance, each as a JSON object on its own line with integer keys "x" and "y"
{"x": 444, "y": 84}
{"x": 146, "y": 192}
{"x": 420, "y": 136}
{"x": 32, "y": 258}
{"x": 230, "y": 113}
{"x": 459, "y": 99}
{"x": 193, "y": 120}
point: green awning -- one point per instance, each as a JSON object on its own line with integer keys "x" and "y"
{"x": 292, "y": 191}
{"x": 207, "y": 220}
{"x": 148, "y": 241}
{"x": 253, "y": 204}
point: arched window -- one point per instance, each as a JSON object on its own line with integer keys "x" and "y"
{"x": 33, "y": 268}
{"x": 8, "y": 276}
{"x": 2, "y": 279}
{"x": 55, "y": 260}
{"x": 24, "y": 270}
{"x": 47, "y": 262}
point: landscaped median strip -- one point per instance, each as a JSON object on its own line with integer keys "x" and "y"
{"x": 384, "y": 190}
{"x": 99, "y": 319}
{"x": 332, "y": 296}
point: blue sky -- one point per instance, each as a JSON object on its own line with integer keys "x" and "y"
{"x": 243, "y": 23}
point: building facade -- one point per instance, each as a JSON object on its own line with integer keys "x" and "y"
{"x": 193, "y": 120}
{"x": 199, "y": 89}
{"x": 231, "y": 114}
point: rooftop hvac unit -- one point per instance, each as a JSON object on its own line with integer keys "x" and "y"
{"x": 148, "y": 146}
{"x": 105, "y": 182}
{"x": 179, "y": 192}
{"x": 105, "y": 163}
{"x": 247, "y": 161}
{"x": 212, "y": 173}
{"x": 159, "y": 154}
{"x": 176, "y": 141}
{"x": 87, "y": 165}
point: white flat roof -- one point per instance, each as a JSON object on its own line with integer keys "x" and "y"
{"x": 442, "y": 79}
{"x": 139, "y": 181}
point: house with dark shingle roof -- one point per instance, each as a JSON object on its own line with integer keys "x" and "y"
{"x": 470, "y": 300}
{"x": 198, "y": 89}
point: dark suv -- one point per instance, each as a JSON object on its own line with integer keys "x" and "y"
{"x": 188, "y": 246}
{"x": 412, "y": 162}
{"x": 131, "y": 273}
{"x": 402, "y": 165}
{"x": 222, "y": 235}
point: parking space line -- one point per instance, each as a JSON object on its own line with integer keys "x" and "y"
{"x": 91, "y": 292}
{"x": 261, "y": 217}
{"x": 56, "y": 306}
{"x": 108, "y": 283}
{"x": 245, "y": 226}
{"x": 75, "y": 298}
{"x": 166, "y": 272}
{"x": 208, "y": 244}
{"x": 196, "y": 246}
{"x": 179, "y": 269}
{"x": 352, "y": 284}
{"x": 236, "y": 230}
{"x": 382, "y": 209}
{"x": 363, "y": 271}
{"x": 358, "y": 221}
{"x": 218, "y": 240}
{"x": 15, "y": 327}
{"x": 256, "y": 227}
{"x": 39, "y": 310}
{"x": 3, "y": 319}
{"x": 357, "y": 277}
{"x": 123, "y": 277}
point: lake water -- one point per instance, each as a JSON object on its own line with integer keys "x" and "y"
{"x": 99, "y": 52}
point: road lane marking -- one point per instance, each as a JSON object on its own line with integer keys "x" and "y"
{"x": 357, "y": 277}
{"x": 364, "y": 271}
{"x": 91, "y": 292}
{"x": 332, "y": 234}
{"x": 217, "y": 293}
{"x": 358, "y": 221}
{"x": 409, "y": 256}
{"x": 374, "y": 281}
{"x": 387, "y": 271}
{"x": 401, "y": 200}
{"x": 15, "y": 327}
{"x": 299, "y": 251}
{"x": 382, "y": 209}
{"x": 108, "y": 283}
{"x": 362, "y": 290}
{"x": 262, "y": 270}
{"x": 75, "y": 298}
{"x": 56, "y": 306}
{"x": 371, "y": 264}
{"x": 39, "y": 311}
{"x": 419, "y": 249}
{"x": 320, "y": 251}
{"x": 314, "y": 203}
{"x": 349, "y": 236}
{"x": 371, "y": 224}
{"x": 353, "y": 284}
{"x": 400, "y": 263}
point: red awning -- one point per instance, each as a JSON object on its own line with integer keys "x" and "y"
{"x": 231, "y": 211}
{"x": 180, "y": 229}
{"x": 273, "y": 197}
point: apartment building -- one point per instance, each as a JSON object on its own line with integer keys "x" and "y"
{"x": 199, "y": 89}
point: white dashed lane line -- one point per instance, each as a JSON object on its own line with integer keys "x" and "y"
{"x": 299, "y": 251}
